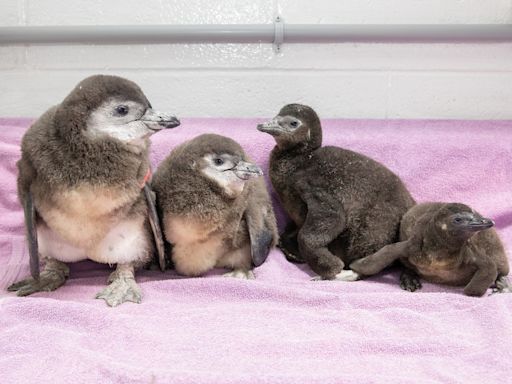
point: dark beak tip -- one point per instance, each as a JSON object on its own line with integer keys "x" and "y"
{"x": 481, "y": 224}
{"x": 486, "y": 221}
{"x": 170, "y": 123}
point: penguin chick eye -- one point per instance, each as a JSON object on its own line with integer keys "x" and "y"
{"x": 294, "y": 124}
{"x": 457, "y": 220}
{"x": 218, "y": 161}
{"x": 122, "y": 110}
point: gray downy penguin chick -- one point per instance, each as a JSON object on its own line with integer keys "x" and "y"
{"x": 343, "y": 205}
{"x": 82, "y": 182}
{"x": 446, "y": 243}
{"x": 215, "y": 209}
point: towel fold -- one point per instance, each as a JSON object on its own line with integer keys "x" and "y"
{"x": 281, "y": 327}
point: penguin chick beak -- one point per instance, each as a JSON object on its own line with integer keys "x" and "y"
{"x": 156, "y": 121}
{"x": 271, "y": 127}
{"x": 479, "y": 223}
{"x": 246, "y": 171}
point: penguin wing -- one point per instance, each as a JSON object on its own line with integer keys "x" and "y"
{"x": 261, "y": 223}
{"x": 154, "y": 221}
{"x": 30, "y": 225}
{"x": 260, "y": 233}
{"x": 384, "y": 257}
{"x": 26, "y": 175}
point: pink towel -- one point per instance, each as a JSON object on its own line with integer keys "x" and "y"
{"x": 281, "y": 327}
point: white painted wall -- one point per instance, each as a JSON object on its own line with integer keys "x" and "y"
{"x": 340, "y": 80}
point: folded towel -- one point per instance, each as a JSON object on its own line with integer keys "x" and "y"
{"x": 281, "y": 327}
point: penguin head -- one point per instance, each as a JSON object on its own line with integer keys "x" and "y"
{"x": 460, "y": 221}
{"x": 110, "y": 107}
{"x": 296, "y": 124}
{"x": 223, "y": 163}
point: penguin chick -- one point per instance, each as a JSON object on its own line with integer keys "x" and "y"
{"x": 343, "y": 205}
{"x": 215, "y": 209}
{"x": 446, "y": 243}
{"x": 83, "y": 166}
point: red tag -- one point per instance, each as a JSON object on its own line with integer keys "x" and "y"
{"x": 147, "y": 176}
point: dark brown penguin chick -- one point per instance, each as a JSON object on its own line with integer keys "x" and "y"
{"x": 82, "y": 170}
{"x": 447, "y": 243}
{"x": 343, "y": 205}
{"x": 215, "y": 209}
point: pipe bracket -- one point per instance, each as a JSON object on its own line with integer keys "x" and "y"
{"x": 278, "y": 33}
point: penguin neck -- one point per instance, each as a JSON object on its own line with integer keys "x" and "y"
{"x": 212, "y": 205}
{"x": 289, "y": 150}
{"x": 103, "y": 161}
{"x": 285, "y": 161}
{"x": 442, "y": 239}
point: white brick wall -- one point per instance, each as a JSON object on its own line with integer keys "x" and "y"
{"x": 471, "y": 81}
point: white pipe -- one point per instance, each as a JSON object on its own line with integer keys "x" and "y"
{"x": 256, "y": 33}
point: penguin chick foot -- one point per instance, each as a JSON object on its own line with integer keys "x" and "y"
{"x": 240, "y": 274}
{"x": 409, "y": 281}
{"x": 54, "y": 275}
{"x": 502, "y": 285}
{"x": 290, "y": 256}
{"x": 344, "y": 275}
{"x": 120, "y": 290}
{"x": 122, "y": 287}
{"x": 122, "y": 272}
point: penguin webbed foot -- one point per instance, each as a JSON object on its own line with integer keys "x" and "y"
{"x": 49, "y": 280}
{"x": 289, "y": 253}
{"x": 288, "y": 244}
{"x": 122, "y": 287}
{"x": 240, "y": 274}
{"x": 409, "y": 281}
{"x": 120, "y": 290}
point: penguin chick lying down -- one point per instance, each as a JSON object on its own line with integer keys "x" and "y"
{"x": 82, "y": 182}
{"x": 447, "y": 244}
{"x": 215, "y": 209}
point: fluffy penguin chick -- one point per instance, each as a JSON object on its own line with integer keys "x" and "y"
{"x": 215, "y": 209}
{"x": 446, "y": 243}
{"x": 83, "y": 166}
{"x": 343, "y": 205}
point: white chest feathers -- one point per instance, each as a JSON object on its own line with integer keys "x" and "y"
{"x": 90, "y": 222}
{"x": 127, "y": 241}
{"x": 86, "y": 214}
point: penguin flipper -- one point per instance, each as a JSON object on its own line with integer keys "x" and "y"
{"x": 30, "y": 225}
{"x": 384, "y": 257}
{"x": 155, "y": 226}
{"x": 261, "y": 235}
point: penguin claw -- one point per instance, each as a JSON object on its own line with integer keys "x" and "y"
{"x": 240, "y": 274}
{"x": 121, "y": 290}
{"x": 48, "y": 281}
